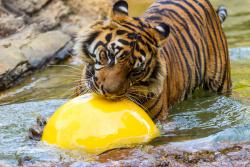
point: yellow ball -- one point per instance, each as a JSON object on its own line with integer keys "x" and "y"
{"x": 94, "y": 125}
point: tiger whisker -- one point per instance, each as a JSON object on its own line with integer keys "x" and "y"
{"x": 143, "y": 96}
{"x": 72, "y": 67}
{"x": 71, "y": 76}
{"x": 80, "y": 81}
{"x": 134, "y": 100}
{"x": 83, "y": 91}
{"x": 80, "y": 86}
{"x": 138, "y": 89}
{"x": 74, "y": 72}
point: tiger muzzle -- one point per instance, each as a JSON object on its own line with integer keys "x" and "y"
{"x": 112, "y": 82}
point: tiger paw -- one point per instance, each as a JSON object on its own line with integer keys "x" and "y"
{"x": 36, "y": 131}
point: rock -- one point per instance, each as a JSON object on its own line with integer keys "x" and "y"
{"x": 10, "y": 57}
{"x": 51, "y": 16}
{"x": 34, "y": 33}
{"x": 9, "y": 24}
{"x": 90, "y": 8}
{"x": 162, "y": 156}
{"x": 27, "y": 51}
{"x": 43, "y": 46}
{"x": 29, "y": 6}
{"x": 165, "y": 155}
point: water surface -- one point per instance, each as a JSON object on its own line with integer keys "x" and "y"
{"x": 201, "y": 122}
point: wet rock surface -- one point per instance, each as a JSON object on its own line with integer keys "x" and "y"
{"x": 162, "y": 156}
{"x": 25, "y": 52}
{"x": 165, "y": 155}
{"x": 35, "y": 32}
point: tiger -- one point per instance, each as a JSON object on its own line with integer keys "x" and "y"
{"x": 157, "y": 59}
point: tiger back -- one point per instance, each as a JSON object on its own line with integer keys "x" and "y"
{"x": 196, "y": 51}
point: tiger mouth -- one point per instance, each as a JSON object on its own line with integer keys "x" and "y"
{"x": 112, "y": 97}
{"x": 92, "y": 87}
{"x": 115, "y": 98}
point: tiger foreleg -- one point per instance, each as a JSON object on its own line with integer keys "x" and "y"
{"x": 36, "y": 131}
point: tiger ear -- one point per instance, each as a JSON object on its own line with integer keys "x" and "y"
{"x": 120, "y": 8}
{"x": 162, "y": 31}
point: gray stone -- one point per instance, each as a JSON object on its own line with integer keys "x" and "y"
{"x": 34, "y": 33}
{"x": 29, "y": 50}
{"x": 29, "y": 6}
{"x": 10, "y": 57}
{"x": 45, "y": 45}
{"x": 9, "y": 24}
{"x": 51, "y": 16}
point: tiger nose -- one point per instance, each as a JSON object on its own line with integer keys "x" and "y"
{"x": 113, "y": 91}
{"x": 109, "y": 88}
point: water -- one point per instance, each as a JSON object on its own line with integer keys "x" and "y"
{"x": 201, "y": 122}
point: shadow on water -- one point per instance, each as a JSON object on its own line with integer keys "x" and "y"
{"x": 200, "y": 122}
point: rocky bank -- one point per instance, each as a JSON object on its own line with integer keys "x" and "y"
{"x": 34, "y": 33}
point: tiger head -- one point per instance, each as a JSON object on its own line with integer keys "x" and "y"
{"x": 122, "y": 55}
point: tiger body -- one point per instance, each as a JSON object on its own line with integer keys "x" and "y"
{"x": 161, "y": 57}
{"x": 196, "y": 51}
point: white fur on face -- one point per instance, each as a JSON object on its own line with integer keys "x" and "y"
{"x": 98, "y": 66}
{"x": 92, "y": 47}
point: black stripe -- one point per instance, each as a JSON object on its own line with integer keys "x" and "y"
{"x": 88, "y": 42}
{"x": 155, "y": 71}
{"x": 223, "y": 79}
{"x": 142, "y": 52}
{"x": 108, "y": 37}
{"x": 137, "y": 47}
{"x": 149, "y": 37}
{"x": 149, "y": 47}
{"x": 155, "y": 103}
{"x": 121, "y": 32}
{"x": 204, "y": 59}
{"x": 124, "y": 42}
{"x": 153, "y": 18}
{"x": 158, "y": 113}
{"x": 99, "y": 43}
{"x": 196, "y": 11}
{"x": 138, "y": 37}
{"x": 131, "y": 35}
